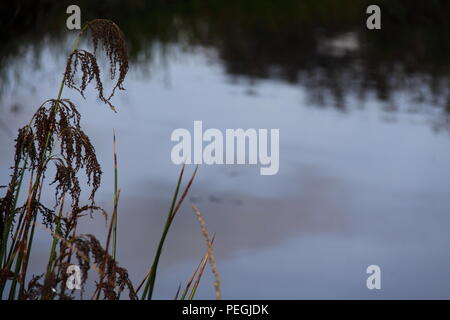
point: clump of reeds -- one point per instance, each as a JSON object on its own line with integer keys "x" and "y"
{"x": 54, "y": 136}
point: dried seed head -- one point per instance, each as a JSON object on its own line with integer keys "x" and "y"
{"x": 112, "y": 40}
{"x": 25, "y": 145}
{"x": 89, "y": 71}
{"x": 111, "y": 37}
{"x": 35, "y": 288}
{"x": 90, "y": 254}
{"x": 48, "y": 215}
{"x": 116, "y": 278}
{"x": 76, "y": 149}
{"x": 212, "y": 259}
{"x": 68, "y": 224}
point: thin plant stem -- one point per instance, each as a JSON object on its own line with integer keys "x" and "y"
{"x": 55, "y": 239}
{"x": 10, "y": 219}
{"x": 114, "y": 249}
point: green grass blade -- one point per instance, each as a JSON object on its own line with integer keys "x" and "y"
{"x": 148, "y": 291}
{"x": 52, "y": 256}
{"x": 10, "y": 219}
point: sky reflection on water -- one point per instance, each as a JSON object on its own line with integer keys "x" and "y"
{"x": 354, "y": 188}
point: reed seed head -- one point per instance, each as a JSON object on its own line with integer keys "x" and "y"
{"x": 107, "y": 34}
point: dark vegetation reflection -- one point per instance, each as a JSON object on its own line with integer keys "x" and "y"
{"x": 322, "y": 45}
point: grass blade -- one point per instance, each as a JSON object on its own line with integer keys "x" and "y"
{"x": 108, "y": 240}
{"x": 148, "y": 291}
{"x": 186, "y": 290}
{"x": 178, "y": 292}
{"x": 188, "y": 285}
{"x": 52, "y": 256}
{"x": 199, "y": 276}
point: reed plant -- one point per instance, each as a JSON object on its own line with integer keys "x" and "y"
{"x": 54, "y": 137}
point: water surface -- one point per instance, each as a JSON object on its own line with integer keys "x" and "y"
{"x": 364, "y": 170}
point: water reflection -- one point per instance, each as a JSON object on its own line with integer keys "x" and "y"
{"x": 363, "y": 179}
{"x": 324, "y": 47}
